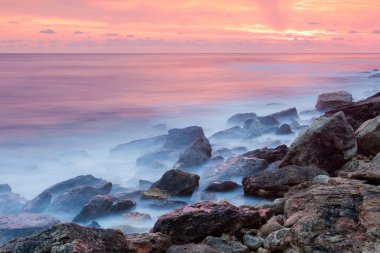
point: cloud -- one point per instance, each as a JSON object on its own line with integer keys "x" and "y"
{"x": 353, "y": 32}
{"x": 47, "y": 31}
{"x": 376, "y": 31}
{"x": 314, "y": 23}
{"x": 111, "y": 34}
{"x": 78, "y": 32}
{"x": 338, "y": 38}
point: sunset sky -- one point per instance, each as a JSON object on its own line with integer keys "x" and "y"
{"x": 190, "y": 26}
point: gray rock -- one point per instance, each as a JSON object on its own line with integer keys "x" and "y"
{"x": 39, "y": 203}
{"x": 368, "y": 137}
{"x": 178, "y": 138}
{"x": 252, "y": 242}
{"x": 195, "y": 155}
{"x": 277, "y": 241}
{"x": 321, "y": 179}
{"x": 138, "y": 146}
{"x": 10, "y": 203}
{"x": 284, "y": 129}
{"x": 287, "y": 115}
{"x": 226, "y": 245}
{"x": 333, "y": 100}
{"x": 240, "y": 118}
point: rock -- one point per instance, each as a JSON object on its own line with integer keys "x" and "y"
{"x": 39, "y": 203}
{"x": 321, "y": 179}
{"x": 192, "y": 223}
{"x": 225, "y": 245}
{"x": 10, "y": 203}
{"x": 277, "y": 241}
{"x": 136, "y": 217}
{"x": 177, "y": 183}
{"x": 192, "y": 248}
{"x": 369, "y": 172}
{"x": 271, "y": 226}
{"x": 359, "y": 112}
{"x": 154, "y": 193}
{"x": 5, "y": 188}
{"x": 209, "y": 196}
{"x": 138, "y": 146}
{"x": 144, "y": 184}
{"x": 74, "y": 200}
{"x": 178, "y": 138}
{"x": 101, "y": 206}
{"x": 224, "y": 152}
{"x": 23, "y": 224}
{"x": 223, "y": 186}
{"x": 156, "y": 159}
{"x": 284, "y": 129}
{"x": 270, "y": 155}
{"x": 195, "y": 155}
{"x": 128, "y": 229}
{"x": 252, "y": 242}
{"x": 69, "y": 237}
{"x": 276, "y": 183}
{"x": 286, "y": 115}
{"x": 376, "y": 159}
{"x": 231, "y": 133}
{"x": 268, "y": 120}
{"x": 368, "y": 137}
{"x": 239, "y": 166}
{"x": 240, "y": 118}
{"x": 340, "y": 217}
{"x": 94, "y": 224}
{"x": 262, "y": 250}
{"x": 327, "y": 144}
{"x": 333, "y": 100}
{"x": 148, "y": 242}
{"x": 167, "y": 204}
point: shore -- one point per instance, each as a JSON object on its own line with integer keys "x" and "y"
{"x": 320, "y": 194}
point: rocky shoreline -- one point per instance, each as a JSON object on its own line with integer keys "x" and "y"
{"x": 325, "y": 187}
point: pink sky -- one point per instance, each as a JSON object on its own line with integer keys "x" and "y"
{"x": 190, "y": 26}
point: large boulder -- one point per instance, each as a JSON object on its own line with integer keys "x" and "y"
{"x": 69, "y": 237}
{"x": 10, "y": 203}
{"x": 327, "y": 144}
{"x": 270, "y": 155}
{"x": 23, "y": 224}
{"x": 333, "y": 100}
{"x": 179, "y": 138}
{"x": 368, "y": 137}
{"x": 177, "y": 183}
{"x": 277, "y": 182}
{"x": 195, "y": 155}
{"x": 287, "y": 115}
{"x": 240, "y": 118}
{"x": 101, "y": 206}
{"x": 193, "y": 223}
{"x": 359, "y": 112}
{"x": 340, "y": 217}
{"x": 148, "y": 242}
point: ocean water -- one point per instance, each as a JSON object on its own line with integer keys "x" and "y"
{"x": 52, "y": 104}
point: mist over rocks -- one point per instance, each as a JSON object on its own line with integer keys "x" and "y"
{"x": 196, "y": 154}
{"x": 240, "y": 118}
{"x": 10, "y": 202}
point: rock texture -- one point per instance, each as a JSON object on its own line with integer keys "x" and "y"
{"x": 69, "y": 237}
{"x": 333, "y": 100}
{"x": 178, "y": 138}
{"x": 368, "y": 137}
{"x": 222, "y": 186}
{"x": 270, "y": 155}
{"x": 327, "y": 144}
{"x": 148, "y": 242}
{"x": 195, "y": 155}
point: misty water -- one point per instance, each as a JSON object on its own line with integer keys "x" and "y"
{"x": 61, "y": 114}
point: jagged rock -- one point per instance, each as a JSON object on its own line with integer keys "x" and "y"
{"x": 23, "y": 224}
{"x": 240, "y": 118}
{"x": 226, "y": 245}
{"x": 178, "y": 138}
{"x": 270, "y": 155}
{"x": 192, "y": 248}
{"x": 196, "y": 154}
{"x": 10, "y": 203}
{"x": 368, "y": 171}
{"x": 277, "y": 182}
{"x": 222, "y": 186}
{"x": 154, "y": 193}
{"x": 192, "y": 223}
{"x": 284, "y": 129}
{"x": 138, "y": 146}
{"x": 252, "y": 242}
{"x": 359, "y": 112}
{"x": 327, "y": 144}
{"x": 148, "y": 242}
{"x": 177, "y": 183}
{"x": 39, "y": 203}
{"x": 73, "y": 201}
{"x": 333, "y": 100}
{"x": 368, "y": 137}
{"x": 101, "y": 206}
{"x": 69, "y": 237}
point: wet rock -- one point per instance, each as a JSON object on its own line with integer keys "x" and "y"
{"x": 178, "y": 138}
{"x": 277, "y": 241}
{"x": 39, "y": 203}
{"x": 23, "y": 224}
{"x": 270, "y": 155}
{"x": 231, "y": 133}
{"x": 101, "y": 206}
{"x": 240, "y": 118}
{"x": 73, "y": 201}
{"x": 138, "y": 146}
{"x": 5, "y": 188}
{"x": 192, "y": 248}
{"x": 359, "y": 112}
{"x": 222, "y": 186}
{"x": 226, "y": 245}
{"x": 276, "y": 183}
{"x": 284, "y": 129}
{"x": 368, "y": 137}
{"x": 154, "y": 193}
{"x": 252, "y": 242}
{"x": 286, "y": 115}
{"x": 333, "y": 100}
{"x": 192, "y": 223}
{"x": 69, "y": 237}
{"x": 177, "y": 183}
{"x": 10, "y": 203}
{"x": 148, "y": 242}
{"x": 327, "y": 144}
{"x": 195, "y": 155}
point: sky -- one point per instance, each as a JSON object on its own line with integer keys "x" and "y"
{"x": 190, "y": 26}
